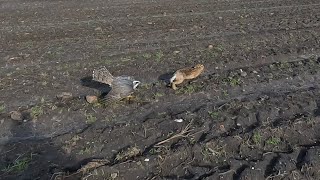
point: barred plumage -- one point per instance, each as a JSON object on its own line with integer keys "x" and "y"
{"x": 102, "y": 75}
{"x": 121, "y": 86}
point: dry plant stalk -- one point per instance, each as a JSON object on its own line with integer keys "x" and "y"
{"x": 95, "y": 163}
{"x": 183, "y": 133}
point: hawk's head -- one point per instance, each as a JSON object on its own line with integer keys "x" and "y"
{"x": 136, "y": 84}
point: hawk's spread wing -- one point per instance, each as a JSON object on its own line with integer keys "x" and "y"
{"x": 102, "y": 75}
{"x": 122, "y": 87}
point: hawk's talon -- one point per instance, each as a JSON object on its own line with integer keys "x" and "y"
{"x": 130, "y": 98}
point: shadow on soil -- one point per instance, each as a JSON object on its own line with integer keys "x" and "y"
{"x": 88, "y": 82}
{"x": 317, "y": 111}
{"x": 27, "y": 156}
{"x": 166, "y": 77}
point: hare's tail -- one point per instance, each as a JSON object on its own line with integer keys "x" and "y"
{"x": 173, "y": 78}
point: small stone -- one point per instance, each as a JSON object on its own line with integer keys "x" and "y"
{"x": 178, "y": 120}
{"x": 255, "y": 72}
{"x": 64, "y": 95}
{"x": 270, "y": 76}
{"x": 210, "y": 46}
{"x": 114, "y": 175}
{"x": 150, "y": 23}
{"x": 91, "y": 99}
{"x": 243, "y": 73}
{"x": 98, "y": 29}
{"x": 176, "y": 52}
{"x": 15, "y": 115}
{"x": 222, "y": 128}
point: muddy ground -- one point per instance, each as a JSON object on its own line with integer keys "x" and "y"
{"x": 253, "y": 114}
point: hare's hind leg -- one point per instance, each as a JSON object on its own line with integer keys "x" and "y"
{"x": 173, "y": 86}
{"x": 174, "y": 83}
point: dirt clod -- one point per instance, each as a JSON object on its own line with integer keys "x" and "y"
{"x": 114, "y": 175}
{"x": 16, "y": 115}
{"x": 127, "y": 153}
{"x": 243, "y": 73}
{"x": 91, "y": 99}
{"x": 64, "y": 96}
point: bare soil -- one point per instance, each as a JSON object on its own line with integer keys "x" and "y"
{"x": 253, "y": 114}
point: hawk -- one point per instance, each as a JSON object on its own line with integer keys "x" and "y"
{"x": 121, "y": 86}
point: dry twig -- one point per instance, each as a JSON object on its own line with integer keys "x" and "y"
{"x": 183, "y": 133}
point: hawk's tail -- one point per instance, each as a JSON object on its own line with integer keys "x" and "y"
{"x": 102, "y": 75}
{"x": 108, "y": 100}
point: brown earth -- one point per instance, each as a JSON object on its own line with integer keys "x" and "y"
{"x": 253, "y": 114}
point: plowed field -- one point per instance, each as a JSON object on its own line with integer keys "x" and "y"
{"x": 254, "y": 113}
